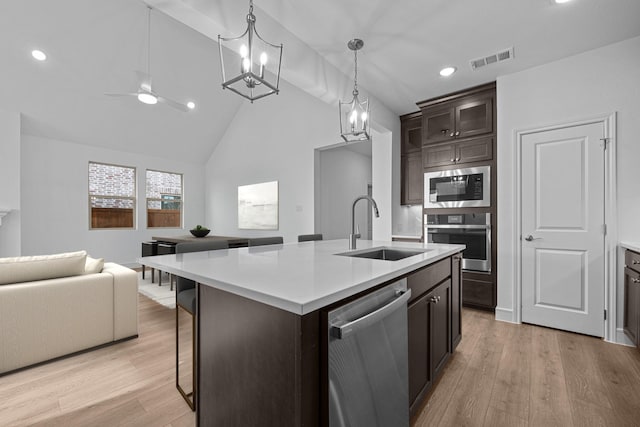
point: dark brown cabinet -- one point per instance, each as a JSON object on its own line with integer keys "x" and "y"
{"x": 632, "y": 296}
{"x": 411, "y": 189}
{"x": 430, "y": 327}
{"x": 412, "y": 179}
{"x": 411, "y": 128}
{"x": 474, "y": 150}
{"x": 464, "y": 118}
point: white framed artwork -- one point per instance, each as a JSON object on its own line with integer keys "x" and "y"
{"x": 258, "y": 206}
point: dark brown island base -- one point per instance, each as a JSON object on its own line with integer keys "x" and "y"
{"x": 263, "y": 315}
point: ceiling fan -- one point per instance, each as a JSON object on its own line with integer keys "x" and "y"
{"x": 145, "y": 93}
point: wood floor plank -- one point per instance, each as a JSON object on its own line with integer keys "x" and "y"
{"x": 549, "y": 399}
{"x": 470, "y": 401}
{"x": 511, "y": 392}
{"x": 584, "y": 379}
{"x": 498, "y": 418}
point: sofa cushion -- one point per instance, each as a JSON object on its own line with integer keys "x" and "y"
{"x": 93, "y": 265}
{"x": 41, "y": 267}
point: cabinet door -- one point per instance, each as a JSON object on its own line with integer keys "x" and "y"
{"x": 474, "y": 117}
{"x": 440, "y": 343}
{"x": 411, "y": 135}
{"x": 475, "y": 150}
{"x": 631, "y": 304}
{"x": 419, "y": 375}
{"x": 438, "y": 155}
{"x": 437, "y": 125}
{"x": 412, "y": 179}
{"x": 456, "y": 301}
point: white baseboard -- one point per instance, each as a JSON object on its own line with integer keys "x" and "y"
{"x": 505, "y": 315}
{"x": 622, "y": 339}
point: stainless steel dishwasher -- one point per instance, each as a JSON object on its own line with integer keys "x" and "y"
{"x": 368, "y": 360}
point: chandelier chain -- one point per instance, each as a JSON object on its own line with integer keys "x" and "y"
{"x": 355, "y": 77}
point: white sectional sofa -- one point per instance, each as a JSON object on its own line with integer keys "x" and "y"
{"x": 55, "y": 305}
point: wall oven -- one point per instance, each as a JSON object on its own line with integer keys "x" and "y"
{"x": 471, "y": 229}
{"x": 457, "y": 188}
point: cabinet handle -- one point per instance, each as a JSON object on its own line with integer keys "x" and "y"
{"x": 634, "y": 280}
{"x": 434, "y": 300}
{"x": 444, "y": 131}
{"x": 453, "y": 160}
{"x": 457, "y": 159}
{"x": 635, "y": 261}
{"x": 451, "y": 134}
{"x": 457, "y": 133}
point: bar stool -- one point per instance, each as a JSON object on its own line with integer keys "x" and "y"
{"x": 186, "y": 300}
{"x": 309, "y": 237}
{"x": 261, "y": 241}
{"x": 165, "y": 248}
{"x": 149, "y": 248}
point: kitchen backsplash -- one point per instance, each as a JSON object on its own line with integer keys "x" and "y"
{"x": 409, "y": 221}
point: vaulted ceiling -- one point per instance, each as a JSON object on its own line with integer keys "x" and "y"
{"x": 95, "y": 46}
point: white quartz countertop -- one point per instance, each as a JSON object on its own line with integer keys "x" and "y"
{"x": 297, "y": 277}
{"x": 634, "y": 246}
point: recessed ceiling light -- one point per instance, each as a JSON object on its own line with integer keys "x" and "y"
{"x": 447, "y": 71}
{"x": 562, "y": 1}
{"x": 191, "y": 105}
{"x": 39, "y": 55}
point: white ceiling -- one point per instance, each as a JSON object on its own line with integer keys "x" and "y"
{"x": 95, "y": 46}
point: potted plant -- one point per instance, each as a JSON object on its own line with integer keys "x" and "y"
{"x": 199, "y": 231}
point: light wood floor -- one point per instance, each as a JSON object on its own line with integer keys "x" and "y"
{"x": 500, "y": 375}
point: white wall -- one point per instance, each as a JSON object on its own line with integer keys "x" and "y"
{"x": 274, "y": 140}
{"x": 591, "y": 84}
{"x": 344, "y": 175}
{"x": 55, "y": 206}
{"x": 9, "y": 183}
{"x": 382, "y": 154}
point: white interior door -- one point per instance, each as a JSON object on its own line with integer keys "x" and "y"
{"x": 562, "y": 240}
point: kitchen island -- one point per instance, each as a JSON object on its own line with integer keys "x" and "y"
{"x": 262, "y": 322}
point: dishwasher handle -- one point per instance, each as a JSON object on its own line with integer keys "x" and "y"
{"x": 343, "y": 331}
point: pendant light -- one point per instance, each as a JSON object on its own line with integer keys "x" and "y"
{"x": 354, "y": 115}
{"x": 252, "y": 62}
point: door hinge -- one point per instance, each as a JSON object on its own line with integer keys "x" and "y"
{"x": 604, "y": 229}
{"x": 605, "y": 141}
{"x": 605, "y": 314}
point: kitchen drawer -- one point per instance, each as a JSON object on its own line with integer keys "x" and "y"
{"x": 423, "y": 280}
{"x": 632, "y": 260}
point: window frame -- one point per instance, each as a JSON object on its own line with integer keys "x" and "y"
{"x": 134, "y": 198}
{"x": 159, "y": 199}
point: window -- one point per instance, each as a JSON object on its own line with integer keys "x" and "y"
{"x": 112, "y": 196}
{"x": 164, "y": 199}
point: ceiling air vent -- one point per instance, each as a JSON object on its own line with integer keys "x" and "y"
{"x": 503, "y": 55}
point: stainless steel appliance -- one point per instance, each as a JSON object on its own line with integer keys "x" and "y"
{"x": 471, "y": 229}
{"x": 456, "y": 188}
{"x": 368, "y": 360}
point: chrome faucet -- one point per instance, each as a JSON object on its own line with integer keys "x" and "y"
{"x": 353, "y": 236}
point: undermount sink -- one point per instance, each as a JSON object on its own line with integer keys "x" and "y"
{"x": 385, "y": 254}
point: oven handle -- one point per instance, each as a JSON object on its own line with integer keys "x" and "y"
{"x": 469, "y": 227}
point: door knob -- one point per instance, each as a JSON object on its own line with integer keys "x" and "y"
{"x": 530, "y": 238}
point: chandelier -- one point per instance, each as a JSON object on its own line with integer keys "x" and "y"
{"x": 354, "y": 115}
{"x": 252, "y": 62}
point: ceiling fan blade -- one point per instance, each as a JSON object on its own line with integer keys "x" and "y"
{"x": 175, "y": 104}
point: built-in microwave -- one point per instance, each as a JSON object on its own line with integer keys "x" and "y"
{"x": 458, "y": 188}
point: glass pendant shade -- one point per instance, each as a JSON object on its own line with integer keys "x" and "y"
{"x": 250, "y": 65}
{"x": 355, "y": 115}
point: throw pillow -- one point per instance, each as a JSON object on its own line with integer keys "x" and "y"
{"x": 93, "y": 265}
